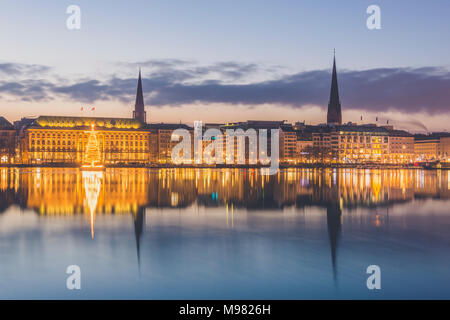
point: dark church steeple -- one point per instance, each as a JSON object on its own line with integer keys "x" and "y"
{"x": 139, "y": 107}
{"x": 334, "y": 115}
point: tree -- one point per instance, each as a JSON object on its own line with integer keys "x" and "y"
{"x": 92, "y": 155}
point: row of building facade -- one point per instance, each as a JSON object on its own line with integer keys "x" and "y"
{"x": 64, "y": 140}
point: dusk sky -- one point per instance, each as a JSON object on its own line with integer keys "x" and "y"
{"x": 221, "y": 61}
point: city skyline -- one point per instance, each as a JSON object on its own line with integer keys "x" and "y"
{"x": 219, "y": 85}
{"x": 94, "y": 142}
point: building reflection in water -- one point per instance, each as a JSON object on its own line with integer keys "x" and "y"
{"x": 68, "y": 192}
{"x": 138, "y": 228}
{"x": 334, "y": 230}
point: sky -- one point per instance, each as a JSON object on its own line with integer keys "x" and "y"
{"x": 224, "y": 61}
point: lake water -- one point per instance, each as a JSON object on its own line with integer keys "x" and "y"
{"x": 224, "y": 233}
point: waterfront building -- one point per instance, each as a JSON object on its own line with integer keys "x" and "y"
{"x": 303, "y": 146}
{"x": 211, "y": 157}
{"x": 161, "y": 144}
{"x": 287, "y": 138}
{"x": 322, "y": 147}
{"x": 352, "y": 143}
{"x": 288, "y": 144}
{"x": 432, "y": 147}
{"x": 445, "y": 148}
{"x": 7, "y": 141}
{"x": 401, "y": 146}
{"x": 64, "y": 140}
{"x": 427, "y": 148}
{"x": 237, "y": 158}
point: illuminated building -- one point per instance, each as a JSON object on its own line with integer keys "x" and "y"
{"x": 65, "y": 140}
{"x": 303, "y": 146}
{"x": 321, "y": 151}
{"x": 351, "y": 143}
{"x": 288, "y": 144}
{"x": 210, "y": 156}
{"x": 161, "y": 144}
{"x": 287, "y": 138}
{"x": 401, "y": 146}
{"x": 432, "y": 147}
{"x": 427, "y": 149}
{"x": 445, "y": 149}
{"x": 7, "y": 141}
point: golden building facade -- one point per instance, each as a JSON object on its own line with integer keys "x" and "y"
{"x": 65, "y": 139}
{"x": 288, "y": 144}
{"x": 362, "y": 144}
{"x": 433, "y": 147}
{"x": 161, "y": 143}
{"x": 445, "y": 149}
{"x": 401, "y": 147}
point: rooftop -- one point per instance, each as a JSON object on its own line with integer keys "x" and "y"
{"x": 5, "y": 124}
{"x": 82, "y": 122}
{"x": 167, "y": 126}
{"x": 431, "y": 136}
{"x": 399, "y": 133}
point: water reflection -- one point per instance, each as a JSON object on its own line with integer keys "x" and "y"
{"x": 123, "y": 191}
{"x": 334, "y": 229}
{"x": 92, "y": 185}
{"x": 53, "y": 192}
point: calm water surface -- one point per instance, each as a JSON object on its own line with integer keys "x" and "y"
{"x": 225, "y": 233}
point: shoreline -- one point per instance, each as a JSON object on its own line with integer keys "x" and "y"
{"x": 224, "y": 166}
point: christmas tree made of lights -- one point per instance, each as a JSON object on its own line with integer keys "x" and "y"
{"x": 92, "y": 155}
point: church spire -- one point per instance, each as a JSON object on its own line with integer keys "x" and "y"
{"x": 139, "y": 107}
{"x": 334, "y": 115}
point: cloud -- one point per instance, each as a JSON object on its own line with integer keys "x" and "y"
{"x": 295, "y": 91}
{"x": 157, "y": 63}
{"x": 182, "y": 82}
{"x": 402, "y": 89}
{"x": 85, "y": 91}
{"x": 19, "y": 69}
{"x": 191, "y": 70}
{"x": 27, "y": 90}
{"x": 228, "y": 70}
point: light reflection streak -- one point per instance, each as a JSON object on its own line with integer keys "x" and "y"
{"x": 92, "y": 185}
